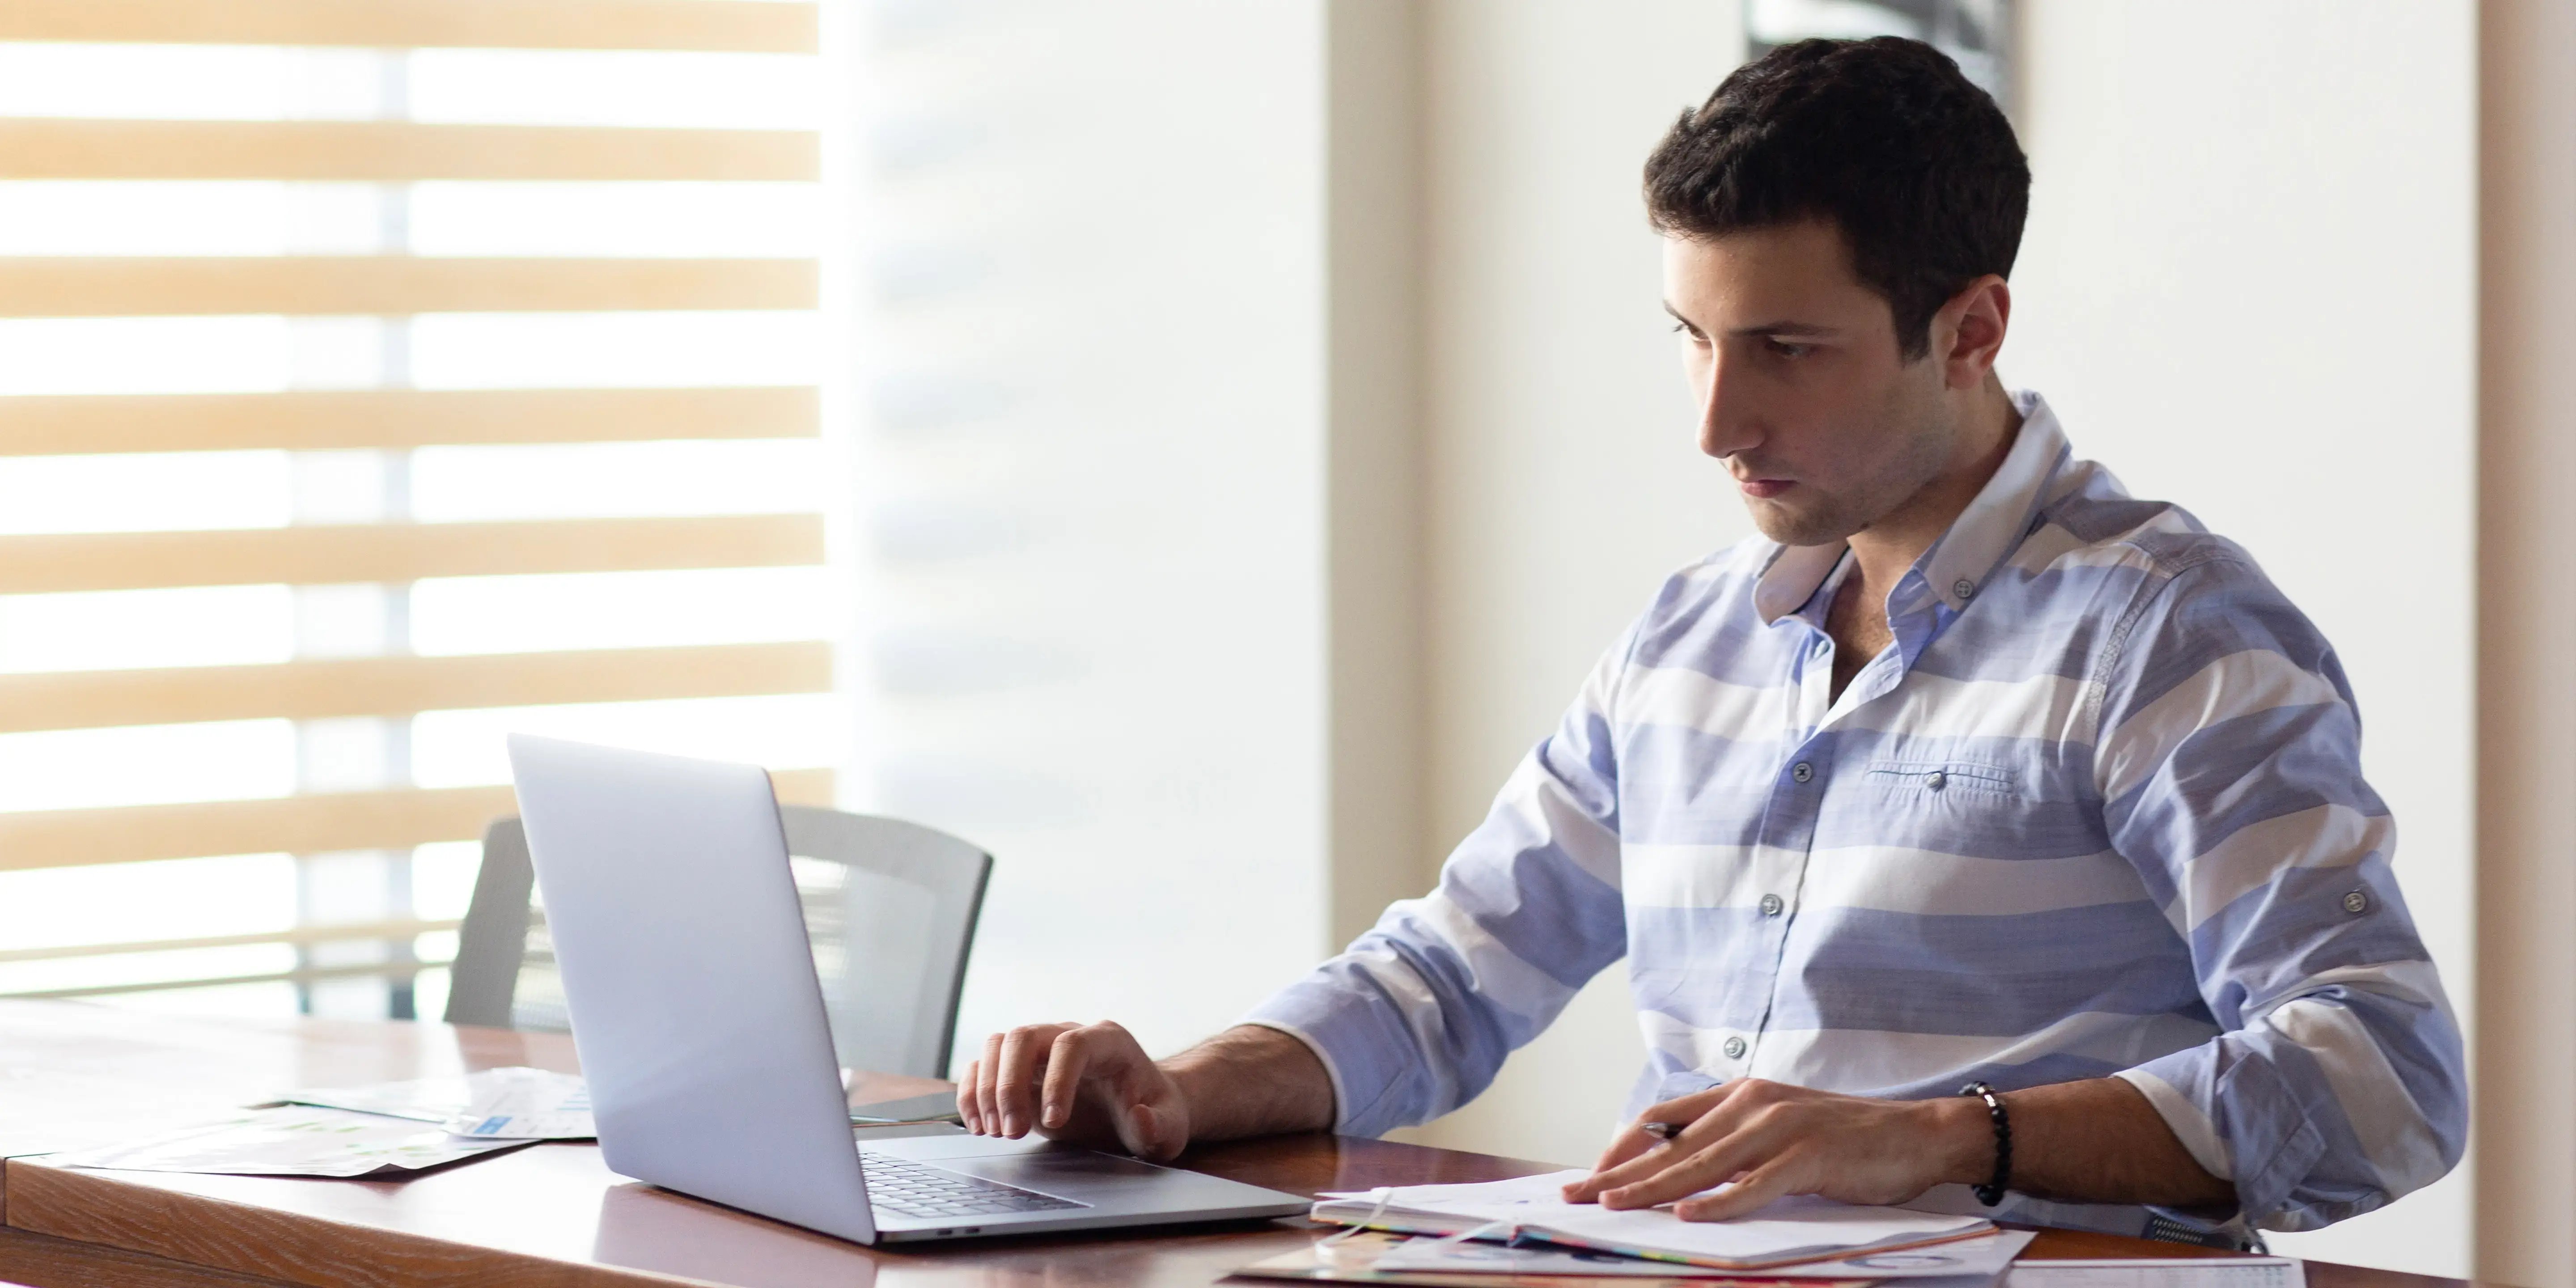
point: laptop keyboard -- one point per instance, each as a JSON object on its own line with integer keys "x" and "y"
{"x": 913, "y": 1189}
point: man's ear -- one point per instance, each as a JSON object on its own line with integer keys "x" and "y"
{"x": 1975, "y": 320}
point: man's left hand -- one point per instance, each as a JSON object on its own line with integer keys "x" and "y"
{"x": 1772, "y": 1139}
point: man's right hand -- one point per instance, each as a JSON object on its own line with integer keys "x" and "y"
{"x": 1090, "y": 1084}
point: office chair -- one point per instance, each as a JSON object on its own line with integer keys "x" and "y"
{"x": 890, "y": 907}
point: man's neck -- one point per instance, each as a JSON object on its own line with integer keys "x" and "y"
{"x": 1857, "y": 618}
{"x": 1885, "y": 549}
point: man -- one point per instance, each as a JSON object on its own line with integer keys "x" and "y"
{"x": 1970, "y": 770}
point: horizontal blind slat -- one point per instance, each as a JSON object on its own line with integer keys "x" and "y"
{"x": 306, "y": 975}
{"x": 402, "y": 686}
{"x": 333, "y": 933}
{"x": 314, "y": 824}
{"x": 322, "y": 555}
{"x": 394, "y": 151}
{"x": 138, "y": 286}
{"x": 315, "y": 420}
{"x": 713, "y": 26}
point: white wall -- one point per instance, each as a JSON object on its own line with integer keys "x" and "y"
{"x": 2249, "y": 287}
{"x": 1089, "y": 468}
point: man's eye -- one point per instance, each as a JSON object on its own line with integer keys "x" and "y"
{"x": 1786, "y": 349}
{"x": 1685, "y": 328}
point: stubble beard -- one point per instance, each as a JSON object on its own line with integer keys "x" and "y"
{"x": 1829, "y": 523}
{"x": 1834, "y": 518}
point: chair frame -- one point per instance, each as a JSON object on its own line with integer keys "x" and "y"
{"x": 492, "y": 945}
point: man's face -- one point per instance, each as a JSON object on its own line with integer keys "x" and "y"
{"x": 1801, "y": 391}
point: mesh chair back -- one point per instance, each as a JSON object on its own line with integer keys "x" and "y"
{"x": 890, "y": 910}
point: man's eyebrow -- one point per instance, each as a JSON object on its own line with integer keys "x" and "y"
{"x": 1788, "y": 328}
{"x": 1764, "y": 328}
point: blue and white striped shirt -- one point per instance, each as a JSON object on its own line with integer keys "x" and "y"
{"x": 2097, "y": 811}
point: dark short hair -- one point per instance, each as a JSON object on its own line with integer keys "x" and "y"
{"x": 1884, "y": 139}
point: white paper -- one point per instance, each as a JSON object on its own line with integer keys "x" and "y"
{"x": 293, "y": 1141}
{"x": 2179, "y": 1272}
{"x": 1817, "y": 1227}
{"x": 514, "y": 1103}
{"x": 526, "y": 1104}
{"x": 429, "y": 1100}
{"x": 1966, "y": 1263}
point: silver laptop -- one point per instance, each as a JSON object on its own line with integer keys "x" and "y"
{"x": 701, "y": 1028}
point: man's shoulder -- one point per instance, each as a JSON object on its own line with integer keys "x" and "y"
{"x": 2091, "y": 522}
{"x": 2183, "y": 593}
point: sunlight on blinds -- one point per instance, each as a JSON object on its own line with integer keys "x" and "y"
{"x": 378, "y": 377}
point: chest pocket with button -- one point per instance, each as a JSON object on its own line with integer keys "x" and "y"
{"x": 1959, "y": 807}
{"x": 1937, "y": 778}
{"x": 1979, "y": 807}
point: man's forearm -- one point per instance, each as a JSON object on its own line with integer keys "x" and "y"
{"x": 2095, "y": 1141}
{"x": 1252, "y": 1081}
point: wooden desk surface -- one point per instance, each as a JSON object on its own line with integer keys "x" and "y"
{"x": 74, "y": 1075}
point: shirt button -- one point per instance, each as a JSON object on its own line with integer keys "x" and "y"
{"x": 1963, "y": 588}
{"x": 1771, "y": 905}
{"x": 2356, "y": 902}
{"x": 1936, "y": 780}
{"x": 1802, "y": 771}
{"x": 1734, "y": 1048}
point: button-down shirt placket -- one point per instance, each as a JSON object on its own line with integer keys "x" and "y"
{"x": 1786, "y": 840}
{"x": 1787, "y": 850}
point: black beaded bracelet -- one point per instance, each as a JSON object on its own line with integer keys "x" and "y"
{"x": 1992, "y": 1192}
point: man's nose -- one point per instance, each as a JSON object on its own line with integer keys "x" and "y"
{"x": 1725, "y": 424}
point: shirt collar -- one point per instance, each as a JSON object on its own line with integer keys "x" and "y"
{"x": 1983, "y": 534}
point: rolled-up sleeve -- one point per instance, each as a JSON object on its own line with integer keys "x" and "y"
{"x": 1417, "y": 1015}
{"x": 2229, "y": 762}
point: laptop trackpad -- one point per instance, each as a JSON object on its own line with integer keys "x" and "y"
{"x": 1031, "y": 1163}
{"x": 1059, "y": 1171}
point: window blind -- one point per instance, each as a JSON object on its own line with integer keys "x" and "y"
{"x": 353, "y": 451}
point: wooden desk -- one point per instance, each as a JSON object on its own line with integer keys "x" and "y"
{"x": 73, "y": 1075}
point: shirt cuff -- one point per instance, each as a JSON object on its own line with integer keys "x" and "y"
{"x": 2229, "y": 1107}
{"x": 1360, "y": 1036}
{"x": 2189, "y": 1125}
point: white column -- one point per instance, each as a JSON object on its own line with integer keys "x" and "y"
{"x": 2525, "y": 1122}
{"x": 1375, "y": 606}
